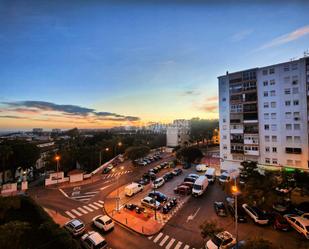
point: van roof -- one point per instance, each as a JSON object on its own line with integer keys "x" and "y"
{"x": 210, "y": 171}
{"x": 200, "y": 180}
{"x": 133, "y": 184}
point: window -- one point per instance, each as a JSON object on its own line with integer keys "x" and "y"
{"x": 297, "y": 139}
{"x": 289, "y": 162}
{"x": 287, "y": 103}
{"x": 288, "y": 115}
{"x": 286, "y": 68}
{"x": 266, "y": 138}
{"x": 273, "y": 104}
{"x": 288, "y": 127}
{"x": 297, "y": 127}
{"x": 265, "y": 94}
{"x": 266, "y": 127}
{"x": 224, "y": 99}
{"x": 266, "y": 104}
{"x": 294, "y": 66}
{"x": 289, "y": 138}
{"x": 224, "y": 137}
{"x": 274, "y": 138}
{"x": 287, "y": 80}
{"x": 271, "y": 70}
{"x": 224, "y": 120}
{"x": 294, "y": 82}
{"x": 224, "y": 147}
{"x": 266, "y": 115}
{"x": 272, "y": 82}
{"x": 273, "y": 93}
{"x": 297, "y": 163}
{"x": 295, "y": 90}
{"x": 287, "y": 91}
{"x": 267, "y": 160}
{"x": 265, "y": 83}
{"x": 273, "y": 127}
{"x": 275, "y": 161}
{"x": 265, "y": 72}
{"x": 295, "y": 102}
{"x": 275, "y": 149}
{"x": 267, "y": 149}
{"x": 296, "y": 114}
{"x": 273, "y": 116}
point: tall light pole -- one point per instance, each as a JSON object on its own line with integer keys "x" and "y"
{"x": 57, "y": 158}
{"x": 155, "y": 198}
{"x": 236, "y": 192}
{"x": 118, "y": 198}
{"x": 106, "y": 149}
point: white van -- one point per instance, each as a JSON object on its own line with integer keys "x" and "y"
{"x": 133, "y": 188}
{"x": 200, "y": 186}
{"x": 211, "y": 174}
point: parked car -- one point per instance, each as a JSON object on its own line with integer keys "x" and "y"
{"x": 93, "y": 240}
{"x": 256, "y": 214}
{"x": 133, "y": 189}
{"x": 279, "y": 222}
{"x": 143, "y": 181}
{"x": 108, "y": 169}
{"x": 139, "y": 209}
{"x": 158, "y": 182}
{"x": 241, "y": 215}
{"x": 224, "y": 177}
{"x": 168, "y": 176}
{"x": 103, "y": 222}
{"x": 75, "y": 227}
{"x": 149, "y": 175}
{"x": 305, "y": 215}
{"x": 211, "y": 174}
{"x": 195, "y": 176}
{"x": 201, "y": 167}
{"x": 158, "y": 196}
{"x": 150, "y": 202}
{"x": 130, "y": 206}
{"x": 182, "y": 190}
{"x": 220, "y": 208}
{"x": 177, "y": 172}
{"x": 241, "y": 244}
{"x": 222, "y": 240}
{"x": 281, "y": 206}
{"x": 189, "y": 179}
{"x": 188, "y": 184}
{"x": 300, "y": 224}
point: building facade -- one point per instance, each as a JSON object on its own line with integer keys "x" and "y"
{"x": 178, "y": 133}
{"x": 264, "y": 116}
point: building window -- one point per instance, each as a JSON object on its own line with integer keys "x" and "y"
{"x": 297, "y": 163}
{"x": 224, "y": 137}
{"x": 274, "y": 138}
{"x": 272, "y": 70}
{"x": 266, "y": 115}
{"x": 289, "y": 138}
{"x": 266, "y": 127}
{"x": 265, "y": 72}
{"x": 297, "y": 127}
{"x": 294, "y": 66}
{"x": 287, "y": 103}
{"x": 266, "y": 104}
{"x": 294, "y": 82}
{"x": 267, "y": 139}
{"x": 273, "y": 104}
{"x": 287, "y": 91}
{"x": 265, "y": 83}
{"x": 267, "y": 149}
{"x": 265, "y": 94}
{"x": 286, "y": 68}
{"x": 273, "y": 127}
{"x": 288, "y": 115}
{"x": 297, "y": 139}
{"x": 275, "y": 161}
{"x": 287, "y": 80}
{"x": 267, "y": 160}
{"x": 224, "y": 120}
{"x": 272, "y": 82}
{"x": 275, "y": 149}
{"x": 295, "y": 90}
{"x": 273, "y": 93}
{"x": 289, "y": 162}
{"x": 288, "y": 127}
{"x": 224, "y": 147}
{"x": 273, "y": 116}
{"x": 224, "y": 99}
{"x": 295, "y": 102}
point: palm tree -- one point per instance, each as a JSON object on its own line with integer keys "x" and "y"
{"x": 5, "y": 152}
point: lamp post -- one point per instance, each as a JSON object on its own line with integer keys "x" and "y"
{"x": 154, "y": 193}
{"x": 118, "y": 198}
{"x": 57, "y": 158}
{"x": 106, "y": 149}
{"x": 236, "y": 192}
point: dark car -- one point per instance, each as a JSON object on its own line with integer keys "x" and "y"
{"x": 168, "y": 176}
{"x": 282, "y": 206}
{"x": 188, "y": 184}
{"x": 279, "y": 222}
{"x": 241, "y": 215}
{"x": 189, "y": 179}
{"x": 108, "y": 169}
{"x": 143, "y": 181}
{"x": 177, "y": 172}
{"x": 150, "y": 175}
{"x": 130, "y": 206}
{"x": 158, "y": 196}
{"x": 220, "y": 208}
{"x": 182, "y": 190}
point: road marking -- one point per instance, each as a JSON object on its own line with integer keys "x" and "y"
{"x": 82, "y": 196}
{"x": 70, "y": 214}
{"x": 75, "y": 211}
{"x": 158, "y": 237}
{"x": 82, "y": 210}
{"x": 106, "y": 187}
{"x": 178, "y": 245}
{"x": 88, "y": 208}
{"x": 64, "y": 193}
{"x": 93, "y": 206}
{"x": 84, "y": 200}
{"x": 164, "y": 240}
{"x": 98, "y": 204}
{"x": 150, "y": 237}
{"x": 186, "y": 247}
{"x": 108, "y": 176}
{"x": 170, "y": 244}
{"x": 192, "y": 216}
{"x": 94, "y": 192}
{"x": 102, "y": 202}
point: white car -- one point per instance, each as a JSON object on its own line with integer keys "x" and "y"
{"x": 150, "y": 202}
{"x": 75, "y": 227}
{"x": 93, "y": 240}
{"x": 201, "y": 167}
{"x": 158, "y": 182}
{"x": 300, "y": 224}
{"x": 256, "y": 214}
{"x": 195, "y": 176}
{"x": 224, "y": 177}
{"x": 103, "y": 222}
{"x": 222, "y": 240}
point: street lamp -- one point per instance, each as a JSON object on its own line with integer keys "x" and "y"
{"x": 118, "y": 198}
{"x": 236, "y": 192}
{"x": 57, "y": 158}
{"x": 106, "y": 149}
{"x": 155, "y": 198}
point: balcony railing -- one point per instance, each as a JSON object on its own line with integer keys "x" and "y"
{"x": 237, "y": 151}
{"x": 237, "y": 141}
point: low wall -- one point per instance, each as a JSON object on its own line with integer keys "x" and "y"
{"x": 8, "y": 188}
{"x": 103, "y": 165}
{"x": 55, "y": 181}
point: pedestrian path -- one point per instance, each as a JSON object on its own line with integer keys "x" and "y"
{"x": 168, "y": 242}
{"x": 164, "y": 218}
{"x": 111, "y": 175}
{"x": 80, "y": 211}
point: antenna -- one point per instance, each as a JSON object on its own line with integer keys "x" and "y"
{"x": 306, "y": 53}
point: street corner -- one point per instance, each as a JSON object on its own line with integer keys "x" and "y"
{"x": 56, "y": 216}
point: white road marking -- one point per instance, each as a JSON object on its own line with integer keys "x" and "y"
{"x": 94, "y": 192}
{"x": 97, "y": 204}
{"x": 102, "y": 202}
{"x": 192, "y": 216}
{"x": 150, "y": 237}
{"x": 186, "y": 247}
{"x": 93, "y": 206}
{"x": 105, "y": 187}
{"x": 178, "y": 245}
{"x": 64, "y": 193}
{"x": 82, "y": 196}
{"x": 164, "y": 240}
{"x": 158, "y": 237}
{"x": 170, "y": 244}
{"x": 88, "y": 208}
{"x": 82, "y": 210}
{"x": 76, "y": 212}
{"x": 84, "y": 200}
{"x": 70, "y": 214}
{"x": 108, "y": 176}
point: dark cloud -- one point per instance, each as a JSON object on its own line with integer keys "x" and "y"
{"x": 12, "y": 116}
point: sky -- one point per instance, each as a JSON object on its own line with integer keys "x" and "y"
{"x": 99, "y": 64}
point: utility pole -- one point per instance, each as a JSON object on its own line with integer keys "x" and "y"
{"x": 236, "y": 192}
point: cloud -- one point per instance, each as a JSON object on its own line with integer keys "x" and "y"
{"x": 210, "y": 104}
{"x": 241, "y": 35}
{"x": 209, "y": 107}
{"x": 212, "y": 98}
{"x": 292, "y": 36}
{"x": 12, "y": 117}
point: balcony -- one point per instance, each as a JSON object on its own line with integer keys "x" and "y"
{"x": 237, "y": 151}
{"x": 252, "y": 152}
{"x": 290, "y": 150}
{"x": 235, "y": 121}
{"x": 237, "y": 130}
{"x": 251, "y": 141}
{"x": 237, "y": 141}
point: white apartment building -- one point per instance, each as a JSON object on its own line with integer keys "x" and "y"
{"x": 264, "y": 116}
{"x": 178, "y": 133}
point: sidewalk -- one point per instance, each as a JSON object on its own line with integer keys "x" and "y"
{"x": 57, "y": 217}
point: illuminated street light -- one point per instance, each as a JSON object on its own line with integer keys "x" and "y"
{"x": 120, "y": 144}
{"x": 235, "y": 192}
{"x": 57, "y": 158}
{"x": 107, "y": 149}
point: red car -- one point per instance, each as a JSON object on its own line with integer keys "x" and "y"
{"x": 182, "y": 190}
{"x": 280, "y": 223}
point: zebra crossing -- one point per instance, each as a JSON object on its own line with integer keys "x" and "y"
{"x": 83, "y": 197}
{"x": 111, "y": 175}
{"x": 168, "y": 242}
{"x": 80, "y": 211}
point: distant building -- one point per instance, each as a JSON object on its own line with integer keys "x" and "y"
{"x": 178, "y": 133}
{"x": 56, "y": 131}
{"x": 37, "y": 130}
{"x": 157, "y": 128}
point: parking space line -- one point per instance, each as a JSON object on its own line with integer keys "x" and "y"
{"x": 94, "y": 192}
{"x": 84, "y": 200}
{"x": 82, "y": 210}
{"x": 170, "y": 243}
{"x": 93, "y": 206}
{"x": 76, "y": 212}
{"x": 164, "y": 240}
{"x": 82, "y": 196}
{"x": 70, "y": 214}
{"x": 102, "y": 202}
{"x": 186, "y": 247}
{"x": 178, "y": 245}
{"x": 97, "y": 204}
{"x": 88, "y": 208}
{"x": 158, "y": 237}
{"x": 150, "y": 237}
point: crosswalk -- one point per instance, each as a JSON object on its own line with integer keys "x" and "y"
{"x": 83, "y": 197}
{"x": 80, "y": 211}
{"x": 111, "y": 175}
{"x": 168, "y": 242}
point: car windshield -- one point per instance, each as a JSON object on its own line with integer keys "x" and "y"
{"x": 223, "y": 177}
{"x": 100, "y": 245}
{"x": 108, "y": 222}
{"x": 217, "y": 241}
{"x": 197, "y": 187}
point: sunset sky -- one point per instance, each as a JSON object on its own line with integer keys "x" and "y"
{"x": 97, "y": 64}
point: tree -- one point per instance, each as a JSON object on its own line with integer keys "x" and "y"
{"x": 5, "y": 153}
{"x": 209, "y": 229}
{"x": 189, "y": 154}
{"x": 13, "y": 233}
{"x": 258, "y": 243}
{"x": 136, "y": 152}
{"x": 202, "y": 129}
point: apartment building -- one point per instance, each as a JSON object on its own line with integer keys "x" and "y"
{"x": 264, "y": 116}
{"x": 178, "y": 133}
